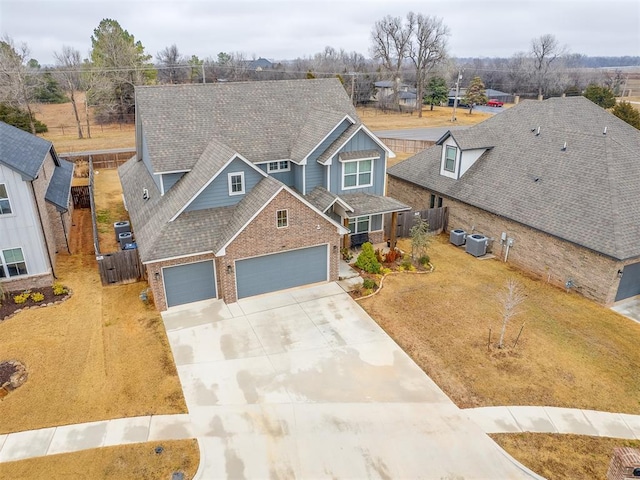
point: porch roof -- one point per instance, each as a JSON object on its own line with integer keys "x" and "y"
{"x": 369, "y": 204}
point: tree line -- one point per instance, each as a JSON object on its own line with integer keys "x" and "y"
{"x": 408, "y": 50}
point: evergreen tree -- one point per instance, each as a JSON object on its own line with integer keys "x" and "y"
{"x": 20, "y": 119}
{"x": 437, "y": 91}
{"x": 625, "y": 111}
{"x": 601, "y": 96}
{"x": 476, "y": 94}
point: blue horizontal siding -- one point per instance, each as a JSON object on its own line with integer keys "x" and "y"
{"x": 360, "y": 141}
{"x": 170, "y": 179}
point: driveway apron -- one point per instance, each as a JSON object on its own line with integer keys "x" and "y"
{"x": 304, "y": 384}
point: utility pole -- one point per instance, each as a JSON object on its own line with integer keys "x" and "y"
{"x": 203, "y": 72}
{"x": 353, "y": 84}
{"x": 455, "y": 100}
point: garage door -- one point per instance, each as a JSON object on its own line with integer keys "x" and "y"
{"x": 189, "y": 283}
{"x": 630, "y": 282}
{"x": 278, "y": 271}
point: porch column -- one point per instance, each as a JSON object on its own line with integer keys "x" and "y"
{"x": 345, "y": 238}
{"x": 394, "y": 227}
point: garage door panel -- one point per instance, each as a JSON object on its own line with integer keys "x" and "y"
{"x": 189, "y": 283}
{"x": 630, "y": 282}
{"x": 279, "y": 271}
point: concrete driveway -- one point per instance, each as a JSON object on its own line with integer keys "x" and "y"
{"x": 304, "y": 384}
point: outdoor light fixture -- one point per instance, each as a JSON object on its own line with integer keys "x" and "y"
{"x": 157, "y": 275}
{"x": 619, "y": 273}
{"x": 229, "y": 269}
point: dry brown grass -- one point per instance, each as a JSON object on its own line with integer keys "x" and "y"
{"x": 134, "y": 462}
{"x": 109, "y": 207}
{"x": 572, "y": 353}
{"x": 101, "y": 354}
{"x": 376, "y": 119}
{"x": 563, "y": 457}
{"x": 63, "y": 131}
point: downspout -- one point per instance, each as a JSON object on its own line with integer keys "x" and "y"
{"x": 46, "y": 243}
{"x": 64, "y": 230}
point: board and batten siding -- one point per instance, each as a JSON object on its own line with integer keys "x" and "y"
{"x": 22, "y": 228}
{"x": 360, "y": 141}
{"x": 216, "y": 194}
{"x": 298, "y": 173}
{"x": 316, "y": 176}
{"x": 170, "y": 179}
{"x": 146, "y": 159}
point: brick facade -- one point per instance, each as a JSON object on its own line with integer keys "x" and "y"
{"x": 623, "y": 463}
{"x": 552, "y": 259}
{"x": 25, "y": 283}
{"x": 305, "y": 228}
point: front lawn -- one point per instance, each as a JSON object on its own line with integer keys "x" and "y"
{"x": 572, "y": 352}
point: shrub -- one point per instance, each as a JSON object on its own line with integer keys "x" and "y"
{"x": 407, "y": 264}
{"x": 369, "y": 284}
{"x": 424, "y": 260}
{"x": 379, "y": 256}
{"x": 59, "y": 289}
{"x": 346, "y": 254}
{"x": 392, "y": 255}
{"x": 37, "y": 297}
{"x": 385, "y": 271}
{"x": 22, "y": 297}
{"x": 367, "y": 259}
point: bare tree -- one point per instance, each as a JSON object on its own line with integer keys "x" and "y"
{"x": 171, "y": 68}
{"x": 68, "y": 65}
{"x": 15, "y": 86}
{"x": 427, "y": 48}
{"x": 390, "y": 44}
{"x": 510, "y": 299}
{"x": 545, "y": 51}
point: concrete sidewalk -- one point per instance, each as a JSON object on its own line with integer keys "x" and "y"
{"x": 518, "y": 419}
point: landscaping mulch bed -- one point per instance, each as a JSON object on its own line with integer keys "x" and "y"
{"x": 6, "y": 370}
{"x": 8, "y": 307}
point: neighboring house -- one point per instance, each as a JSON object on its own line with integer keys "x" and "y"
{"x": 260, "y": 64}
{"x": 559, "y": 177}
{"x": 240, "y": 189}
{"x": 35, "y": 209}
{"x": 383, "y": 92}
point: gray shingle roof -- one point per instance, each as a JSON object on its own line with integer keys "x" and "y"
{"x": 588, "y": 194}
{"x": 321, "y": 198}
{"x": 59, "y": 190}
{"x": 369, "y": 204}
{"x": 22, "y": 151}
{"x": 355, "y": 154}
{"x": 260, "y": 120}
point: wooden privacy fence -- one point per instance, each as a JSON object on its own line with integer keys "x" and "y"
{"x": 406, "y": 145}
{"x": 435, "y": 217}
{"x": 102, "y": 159}
{"x": 120, "y": 267}
{"x": 81, "y": 196}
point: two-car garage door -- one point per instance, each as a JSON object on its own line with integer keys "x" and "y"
{"x": 277, "y": 271}
{"x": 193, "y": 282}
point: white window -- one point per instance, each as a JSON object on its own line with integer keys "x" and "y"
{"x": 236, "y": 183}
{"x": 358, "y": 173}
{"x": 359, "y": 224}
{"x": 12, "y": 263}
{"x": 450, "y": 158}
{"x": 282, "y": 218}
{"x": 279, "y": 166}
{"x": 5, "y": 204}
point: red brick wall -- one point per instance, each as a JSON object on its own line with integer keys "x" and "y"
{"x": 623, "y": 462}
{"x": 262, "y": 237}
{"x": 554, "y": 260}
{"x": 25, "y": 283}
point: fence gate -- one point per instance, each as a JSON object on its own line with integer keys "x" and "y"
{"x": 80, "y": 196}
{"x": 435, "y": 217}
{"x": 120, "y": 267}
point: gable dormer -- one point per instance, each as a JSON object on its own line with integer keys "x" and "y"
{"x": 455, "y": 160}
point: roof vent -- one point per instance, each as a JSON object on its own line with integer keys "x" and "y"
{"x": 145, "y": 194}
{"x": 564, "y": 147}
{"x": 537, "y": 131}
{"x": 605, "y": 131}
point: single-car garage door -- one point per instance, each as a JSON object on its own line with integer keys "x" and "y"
{"x": 630, "y": 282}
{"x": 189, "y": 283}
{"x": 278, "y": 271}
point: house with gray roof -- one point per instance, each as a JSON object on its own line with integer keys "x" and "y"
{"x": 554, "y": 184}
{"x": 239, "y": 189}
{"x": 35, "y": 209}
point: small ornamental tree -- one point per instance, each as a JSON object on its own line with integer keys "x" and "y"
{"x": 625, "y": 111}
{"x": 476, "y": 94}
{"x": 367, "y": 259}
{"x": 510, "y": 299}
{"x": 420, "y": 239}
{"x": 601, "y": 96}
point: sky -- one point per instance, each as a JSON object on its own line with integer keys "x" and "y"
{"x": 289, "y": 29}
